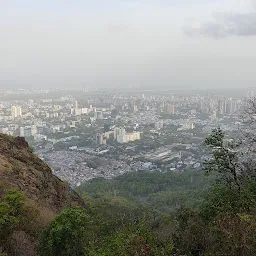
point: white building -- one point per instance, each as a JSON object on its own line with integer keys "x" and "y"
{"x": 187, "y": 126}
{"x": 40, "y": 137}
{"x": 84, "y": 110}
{"x": 33, "y": 130}
{"x": 16, "y": 111}
{"x": 118, "y": 131}
{"x": 121, "y": 136}
{"x": 132, "y": 136}
{"x": 19, "y": 111}
{"x": 22, "y": 133}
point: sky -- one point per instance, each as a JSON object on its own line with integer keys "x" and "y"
{"x": 128, "y": 43}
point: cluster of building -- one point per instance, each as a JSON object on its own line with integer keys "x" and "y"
{"x": 77, "y": 167}
{"x": 159, "y": 127}
{"x": 76, "y": 111}
{"x": 121, "y": 136}
{"x": 220, "y": 107}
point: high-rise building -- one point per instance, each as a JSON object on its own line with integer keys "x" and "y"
{"x": 19, "y": 111}
{"x": 98, "y": 114}
{"x": 214, "y": 116}
{"x": 99, "y": 139}
{"x": 22, "y": 134}
{"x": 170, "y": 109}
{"x": 121, "y": 136}
{"x": 229, "y": 106}
{"x": 118, "y": 131}
{"x": 33, "y": 130}
{"x": 108, "y": 134}
{"x": 27, "y": 131}
{"x": 221, "y": 107}
{"x": 16, "y": 111}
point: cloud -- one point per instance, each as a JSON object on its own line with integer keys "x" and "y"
{"x": 223, "y": 25}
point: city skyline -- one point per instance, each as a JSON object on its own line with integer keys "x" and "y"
{"x": 106, "y": 135}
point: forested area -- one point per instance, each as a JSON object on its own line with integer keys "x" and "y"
{"x": 164, "y": 192}
{"x": 192, "y": 213}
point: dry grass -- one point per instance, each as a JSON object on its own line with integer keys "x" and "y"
{"x": 43, "y": 215}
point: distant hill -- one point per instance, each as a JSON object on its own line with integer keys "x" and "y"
{"x": 163, "y": 192}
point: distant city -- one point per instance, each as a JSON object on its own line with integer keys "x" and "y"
{"x": 86, "y": 134}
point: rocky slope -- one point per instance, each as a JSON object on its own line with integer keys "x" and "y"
{"x": 46, "y": 194}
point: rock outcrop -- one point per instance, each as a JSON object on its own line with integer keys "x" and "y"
{"x": 20, "y": 168}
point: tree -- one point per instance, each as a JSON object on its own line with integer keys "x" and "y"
{"x": 248, "y": 137}
{"x": 227, "y": 213}
{"x": 191, "y": 234}
{"x": 11, "y": 215}
{"x": 65, "y": 235}
{"x": 224, "y": 159}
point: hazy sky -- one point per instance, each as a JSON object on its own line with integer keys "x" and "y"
{"x": 118, "y": 43}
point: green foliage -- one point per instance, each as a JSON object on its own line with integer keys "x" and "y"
{"x": 164, "y": 192}
{"x": 8, "y": 137}
{"x": 11, "y": 206}
{"x": 135, "y": 241}
{"x": 8, "y": 170}
{"x": 223, "y": 161}
{"x": 11, "y": 215}
{"x": 233, "y": 234}
{"x": 143, "y": 213}
{"x": 31, "y": 149}
{"x": 226, "y": 221}
{"x": 221, "y": 199}
{"x": 153, "y": 213}
{"x": 216, "y": 138}
{"x": 225, "y": 224}
{"x": 191, "y": 233}
{"x": 16, "y": 167}
{"x": 104, "y": 227}
{"x": 65, "y": 235}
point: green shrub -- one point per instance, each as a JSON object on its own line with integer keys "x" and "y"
{"x": 65, "y": 235}
{"x": 11, "y": 214}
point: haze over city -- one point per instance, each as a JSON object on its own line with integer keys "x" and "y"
{"x": 120, "y": 43}
{"x": 127, "y": 127}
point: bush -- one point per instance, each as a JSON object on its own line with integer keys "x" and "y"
{"x": 11, "y": 215}
{"x": 31, "y": 149}
{"x": 65, "y": 235}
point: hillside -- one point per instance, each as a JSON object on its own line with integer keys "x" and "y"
{"x": 45, "y": 194}
{"x": 164, "y": 192}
